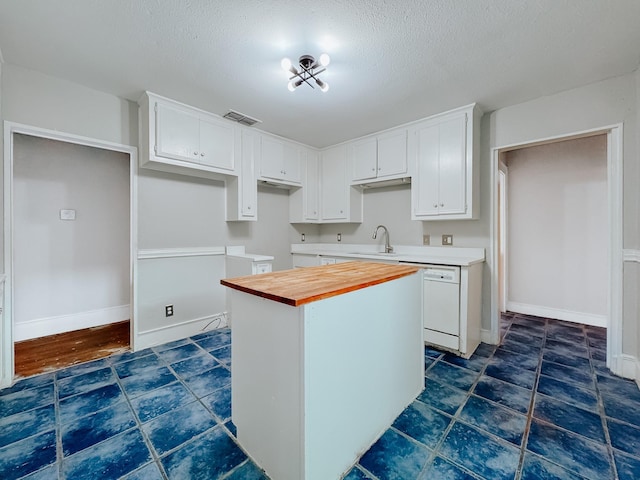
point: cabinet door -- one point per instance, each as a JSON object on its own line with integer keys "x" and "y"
{"x": 452, "y": 191}
{"x": 177, "y": 133}
{"x": 248, "y": 185}
{"x": 427, "y": 169}
{"x": 392, "y": 153}
{"x": 311, "y": 190}
{"x": 441, "y": 307}
{"x": 272, "y": 155}
{"x": 217, "y": 143}
{"x": 363, "y": 156}
{"x": 291, "y": 163}
{"x": 333, "y": 184}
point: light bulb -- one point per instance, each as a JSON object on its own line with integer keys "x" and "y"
{"x": 291, "y": 86}
{"x": 324, "y": 59}
{"x": 285, "y": 64}
{"x": 324, "y": 86}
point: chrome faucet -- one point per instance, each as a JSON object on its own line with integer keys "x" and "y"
{"x": 387, "y": 243}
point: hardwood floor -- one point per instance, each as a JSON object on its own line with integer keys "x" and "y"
{"x": 50, "y": 353}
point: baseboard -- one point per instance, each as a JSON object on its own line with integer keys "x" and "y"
{"x": 41, "y": 327}
{"x": 560, "y": 314}
{"x": 189, "y": 328}
{"x": 485, "y": 336}
{"x": 630, "y": 367}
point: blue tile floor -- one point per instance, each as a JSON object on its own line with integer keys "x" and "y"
{"x": 540, "y": 406}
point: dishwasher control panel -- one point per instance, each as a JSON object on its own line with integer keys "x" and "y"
{"x": 439, "y": 273}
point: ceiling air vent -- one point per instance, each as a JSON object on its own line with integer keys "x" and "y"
{"x": 241, "y": 118}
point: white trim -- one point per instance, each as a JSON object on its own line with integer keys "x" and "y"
{"x": 629, "y": 255}
{"x": 614, "y": 194}
{"x": 6, "y": 328}
{"x": 630, "y": 366}
{"x": 637, "y": 372}
{"x": 144, "y": 254}
{"x": 485, "y": 336}
{"x": 40, "y": 327}
{"x": 558, "y": 313}
{"x": 188, "y": 328}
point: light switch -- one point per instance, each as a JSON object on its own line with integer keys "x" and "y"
{"x": 67, "y": 214}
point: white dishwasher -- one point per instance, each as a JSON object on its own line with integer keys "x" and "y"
{"x": 441, "y": 306}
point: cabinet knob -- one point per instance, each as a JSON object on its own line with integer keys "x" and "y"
{"x": 373, "y": 169}
{"x": 195, "y": 153}
{"x": 442, "y": 204}
{"x": 379, "y": 168}
{"x": 202, "y": 154}
{"x": 435, "y": 205}
{"x": 248, "y": 207}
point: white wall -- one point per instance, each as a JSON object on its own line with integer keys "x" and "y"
{"x": 592, "y": 106}
{"x": 174, "y": 211}
{"x": 557, "y": 230}
{"x": 389, "y": 206}
{"x": 69, "y": 274}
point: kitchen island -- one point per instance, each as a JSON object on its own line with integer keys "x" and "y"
{"x": 323, "y": 360}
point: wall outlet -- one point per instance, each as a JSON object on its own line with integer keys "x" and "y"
{"x": 302, "y": 237}
{"x": 339, "y": 237}
{"x": 168, "y": 310}
{"x": 426, "y": 239}
{"x": 447, "y": 240}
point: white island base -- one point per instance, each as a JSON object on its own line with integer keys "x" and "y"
{"x": 314, "y": 386}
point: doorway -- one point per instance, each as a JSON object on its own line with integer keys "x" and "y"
{"x": 554, "y": 214}
{"x": 612, "y": 317}
{"x": 69, "y": 245}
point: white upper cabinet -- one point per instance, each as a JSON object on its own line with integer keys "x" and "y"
{"x": 193, "y": 136}
{"x": 242, "y": 191}
{"x": 304, "y": 206}
{"x": 339, "y": 203}
{"x": 280, "y": 161}
{"x": 380, "y": 157}
{"x": 444, "y": 185}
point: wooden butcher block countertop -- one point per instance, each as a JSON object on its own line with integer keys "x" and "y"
{"x": 304, "y": 285}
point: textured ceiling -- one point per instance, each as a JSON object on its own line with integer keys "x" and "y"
{"x": 392, "y": 61}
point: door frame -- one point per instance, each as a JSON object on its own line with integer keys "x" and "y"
{"x": 7, "y": 366}
{"x": 614, "y": 133}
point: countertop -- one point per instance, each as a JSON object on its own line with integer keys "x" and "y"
{"x": 305, "y": 285}
{"x": 403, "y": 254}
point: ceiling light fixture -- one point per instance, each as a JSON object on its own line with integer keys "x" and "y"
{"x": 309, "y": 70}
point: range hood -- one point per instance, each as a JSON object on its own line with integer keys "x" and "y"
{"x": 385, "y": 183}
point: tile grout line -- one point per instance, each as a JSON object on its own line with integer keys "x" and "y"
{"x": 454, "y": 418}
{"x": 58, "y": 427}
{"x": 602, "y": 413}
{"x": 154, "y": 458}
{"x": 534, "y": 388}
